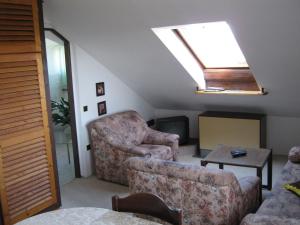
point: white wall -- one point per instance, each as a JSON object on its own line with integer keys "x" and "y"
{"x": 56, "y": 67}
{"x": 86, "y": 72}
{"x": 282, "y": 132}
{"x": 119, "y": 97}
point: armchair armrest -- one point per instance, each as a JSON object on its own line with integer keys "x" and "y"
{"x": 135, "y": 150}
{"x": 160, "y": 138}
{"x": 256, "y": 219}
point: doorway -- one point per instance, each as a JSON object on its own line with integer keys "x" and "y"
{"x": 62, "y": 105}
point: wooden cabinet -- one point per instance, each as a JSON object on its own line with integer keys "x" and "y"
{"x": 233, "y": 129}
{"x": 27, "y": 174}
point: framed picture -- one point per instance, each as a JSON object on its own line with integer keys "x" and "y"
{"x": 100, "y": 89}
{"x": 102, "y": 108}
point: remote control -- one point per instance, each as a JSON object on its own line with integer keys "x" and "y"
{"x": 238, "y": 153}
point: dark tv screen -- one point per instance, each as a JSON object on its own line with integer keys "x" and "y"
{"x": 175, "y": 125}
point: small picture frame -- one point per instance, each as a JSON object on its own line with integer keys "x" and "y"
{"x": 102, "y": 108}
{"x": 100, "y": 90}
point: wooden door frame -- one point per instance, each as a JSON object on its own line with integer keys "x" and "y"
{"x": 48, "y": 102}
{"x": 70, "y": 98}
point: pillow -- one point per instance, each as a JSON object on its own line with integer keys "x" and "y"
{"x": 294, "y": 187}
{"x": 294, "y": 154}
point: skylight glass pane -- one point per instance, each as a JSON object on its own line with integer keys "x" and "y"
{"x": 214, "y": 44}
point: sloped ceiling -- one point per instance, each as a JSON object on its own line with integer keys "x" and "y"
{"x": 118, "y": 34}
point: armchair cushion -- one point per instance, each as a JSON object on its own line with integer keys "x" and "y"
{"x": 155, "y": 151}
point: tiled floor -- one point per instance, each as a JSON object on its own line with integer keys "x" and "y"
{"x": 64, "y": 156}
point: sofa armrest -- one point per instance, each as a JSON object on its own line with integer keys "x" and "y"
{"x": 256, "y": 219}
{"x": 250, "y": 187}
{"x": 294, "y": 154}
{"x": 160, "y": 138}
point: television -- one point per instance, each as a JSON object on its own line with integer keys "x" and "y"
{"x": 175, "y": 125}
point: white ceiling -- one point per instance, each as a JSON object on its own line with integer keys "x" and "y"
{"x": 118, "y": 34}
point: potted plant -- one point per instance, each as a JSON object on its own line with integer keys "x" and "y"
{"x": 61, "y": 115}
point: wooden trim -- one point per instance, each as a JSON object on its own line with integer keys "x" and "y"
{"x": 231, "y": 79}
{"x": 37, "y": 26}
{"x": 234, "y": 80}
{"x": 23, "y": 2}
{"x": 49, "y": 142}
{"x": 240, "y": 115}
{"x": 1, "y": 217}
{"x": 147, "y": 204}
{"x": 231, "y": 92}
{"x": 3, "y": 194}
{"x": 71, "y": 99}
{"x": 179, "y": 35}
{"x": 48, "y": 100}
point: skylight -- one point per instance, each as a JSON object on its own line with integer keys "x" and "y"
{"x": 214, "y": 44}
{"x": 210, "y": 53}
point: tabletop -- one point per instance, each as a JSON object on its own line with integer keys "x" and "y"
{"x": 255, "y": 157}
{"x": 85, "y": 216}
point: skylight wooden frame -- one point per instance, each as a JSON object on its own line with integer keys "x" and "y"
{"x": 252, "y": 89}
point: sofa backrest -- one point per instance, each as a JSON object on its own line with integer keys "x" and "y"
{"x": 207, "y": 196}
{"x": 213, "y": 177}
{"x": 124, "y": 128}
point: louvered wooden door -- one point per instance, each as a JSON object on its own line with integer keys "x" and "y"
{"x": 27, "y": 177}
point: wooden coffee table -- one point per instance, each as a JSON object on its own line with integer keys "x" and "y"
{"x": 255, "y": 158}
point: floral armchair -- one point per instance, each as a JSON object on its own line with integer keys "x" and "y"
{"x": 117, "y": 137}
{"x": 207, "y": 197}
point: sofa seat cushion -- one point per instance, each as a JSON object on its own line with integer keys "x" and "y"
{"x": 282, "y": 202}
{"x": 156, "y": 151}
{"x": 255, "y": 219}
{"x": 289, "y": 174}
{"x": 286, "y": 205}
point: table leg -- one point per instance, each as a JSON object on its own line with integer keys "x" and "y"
{"x": 259, "y": 174}
{"x": 269, "y": 178}
{"x": 269, "y": 185}
{"x": 203, "y": 163}
{"x": 221, "y": 166}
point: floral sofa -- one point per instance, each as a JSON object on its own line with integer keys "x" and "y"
{"x": 207, "y": 197}
{"x": 282, "y": 207}
{"x": 119, "y": 136}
